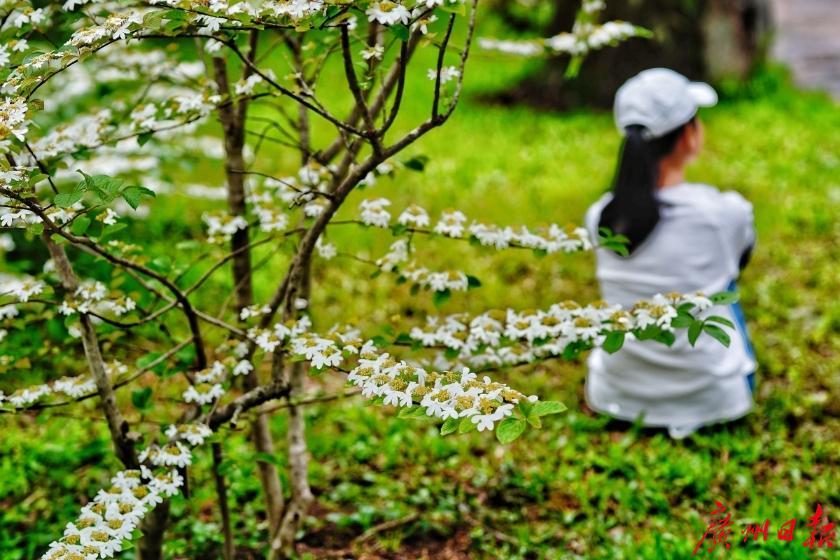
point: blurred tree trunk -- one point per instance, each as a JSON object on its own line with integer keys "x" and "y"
{"x": 707, "y": 40}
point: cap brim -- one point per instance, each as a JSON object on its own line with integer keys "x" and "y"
{"x": 702, "y": 94}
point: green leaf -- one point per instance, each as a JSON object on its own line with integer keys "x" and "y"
{"x": 534, "y": 420}
{"x": 144, "y": 137}
{"x": 473, "y": 282}
{"x": 724, "y": 298}
{"x": 413, "y": 412}
{"x": 400, "y": 31}
{"x": 717, "y": 333}
{"x": 721, "y": 320}
{"x": 66, "y": 200}
{"x": 544, "y": 408}
{"x": 263, "y": 457}
{"x": 134, "y": 194}
{"x": 614, "y": 341}
{"x": 509, "y": 429}
{"x": 682, "y": 321}
{"x": 403, "y": 338}
{"x": 141, "y": 398}
{"x": 80, "y": 225}
{"x": 449, "y": 427}
{"x": 694, "y": 331}
{"x": 465, "y": 425}
{"x": 665, "y": 337}
{"x": 417, "y": 163}
{"x": 111, "y": 230}
{"x": 105, "y": 188}
{"x": 441, "y": 297}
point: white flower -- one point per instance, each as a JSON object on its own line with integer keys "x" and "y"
{"x": 254, "y": 311}
{"x": 374, "y": 212}
{"x": 447, "y": 73}
{"x": 397, "y": 254}
{"x": 325, "y": 250}
{"x": 451, "y": 224}
{"x": 203, "y": 393}
{"x": 247, "y": 86}
{"x": 387, "y": 13}
{"x": 243, "y": 367}
{"x": 374, "y": 52}
{"x": 173, "y": 454}
{"x": 22, "y": 290}
{"x": 414, "y": 216}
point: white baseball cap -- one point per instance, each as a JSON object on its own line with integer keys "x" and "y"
{"x": 660, "y": 100}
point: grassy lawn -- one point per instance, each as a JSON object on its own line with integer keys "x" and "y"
{"x": 393, "y": 488}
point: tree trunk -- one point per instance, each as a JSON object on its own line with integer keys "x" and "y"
{"x": 233, "y": 124}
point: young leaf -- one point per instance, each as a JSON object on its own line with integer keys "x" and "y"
{"x": 724, "y": 298}
{"x": 717, "y": 333}
{"x": 441, "y": 297}
{"x": 694, "y": 331}
{"x": 66, "y": 200}
{"x": 413, "y": 412}
{"x": 614, "y": 341}
{"x": 466, "y": 425}
{"x": 400, "y": 31}
{"x": 417, "y": 163}
{"x": 534, "y": 420}
{"x": 80, "y": 225}
{"x": 721, "y": 320}
{"x": 509, "y": 429}
{"x": 141, "y": 398}
{"x": 682, "y": 320}
{"x": 449, "y": 427}
{"x": 544, "y": 408}
{"x": 134, "y": 194}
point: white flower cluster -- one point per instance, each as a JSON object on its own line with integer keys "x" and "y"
{"x": 269, "y": 339}
{"x": 586, "y": 35}
{"x": 325, "y": 249}
{"x": 253, "y": 311}
{"x": 73, "y": 387}
{"x": 85, "y": 131}
{"x": 20, "y": 289}
{"x": 91, "y": 298}
{"x": 112, "y": 516}
{"x": 396, "y": 255}
{"x": 453, "y": 223}
{"x": 195, "y": 434}
{"x": 447, "y": 73}
{"x": 222, "y": 226}
{"x": 452, "y": 280}
{"x": 387, "y": 12}
{"x": 374, "y": 212}
{"x": 498, "y": 338}
{"x": 13, "y": 120}
{"x": 414, "y": 216}
{"x": 442, "y": 395}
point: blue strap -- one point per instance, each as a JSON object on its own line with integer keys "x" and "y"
{"x": 741, "y": 324}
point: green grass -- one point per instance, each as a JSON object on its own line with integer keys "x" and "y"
{"x": 580, "y": 487}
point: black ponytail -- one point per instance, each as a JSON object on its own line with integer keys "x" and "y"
{"x": 634, "y": 209}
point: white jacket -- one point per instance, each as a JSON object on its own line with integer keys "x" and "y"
{"x": 696, "y": 246}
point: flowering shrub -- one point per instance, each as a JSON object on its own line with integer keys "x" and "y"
{"x": 93, "y": 132}
{"x": 586, "y": 35}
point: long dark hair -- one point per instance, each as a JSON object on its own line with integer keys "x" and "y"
{"x": 634, "y": 210}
